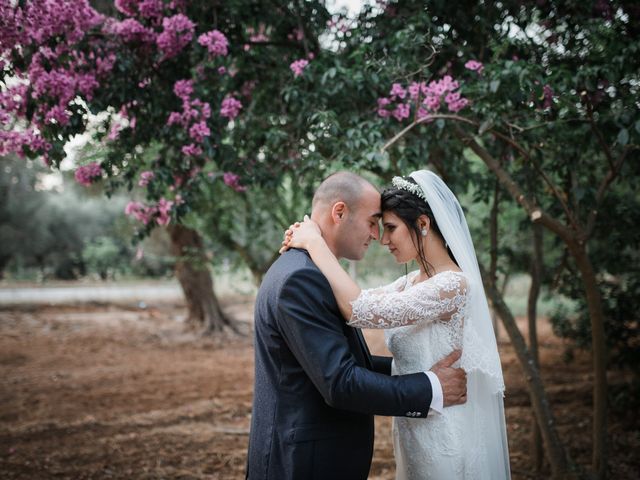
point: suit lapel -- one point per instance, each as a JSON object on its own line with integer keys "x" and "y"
{"x": 363, "y": 346}
{"x": 354, "y": 331}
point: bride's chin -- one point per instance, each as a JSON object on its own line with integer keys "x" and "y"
{"x": 398, "y": 260}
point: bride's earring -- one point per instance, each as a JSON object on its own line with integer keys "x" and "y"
{"x": 424, "y": 232}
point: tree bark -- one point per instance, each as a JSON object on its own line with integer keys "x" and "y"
{"x": 532, "y": 314}
{"x": 561, "y": 467}
{"x": 598, "y": 344}
{"x": 4, "y": 261}
{"x": 575, "y": 239}
{"x": 257, "y": 269}
{"x": 196, "y": 281}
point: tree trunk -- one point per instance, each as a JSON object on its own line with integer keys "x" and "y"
{"x": 598, "y": 345}
{"x": 196, "y": 281}
{"x": 257, "y": 269}
{"x": 4, "y": 261}
{"x": 575, "y": 241}
{"x": 534, "y": 292}
{"x": 561, "y": 467}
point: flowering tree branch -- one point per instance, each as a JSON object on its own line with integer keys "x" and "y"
{"x": 536, "y": 213}
{"x": 507, "y": 139}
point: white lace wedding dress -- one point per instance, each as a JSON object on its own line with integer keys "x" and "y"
{"x": 424, "y": 323}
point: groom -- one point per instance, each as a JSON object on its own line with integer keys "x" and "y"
{"x": 317, "y": 386}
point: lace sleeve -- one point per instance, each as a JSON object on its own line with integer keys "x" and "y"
{"x": 438, "y": 298}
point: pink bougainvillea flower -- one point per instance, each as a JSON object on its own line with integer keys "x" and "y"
{"x": 458, "y": 105}
{"x": 163, "y": 210}
{"x": 401, "y": 111}
{"x": 130, "y": 30}
{"x": 432, "y": 102}
{"x": 383, "y": 102}
{"x": 298, "y": 67}
{"x": 547, "y": 93}
{"x": 233, "y": 181}
{"x": 150, "y": 8}
{"x": 474, "y": 65}
{"x": 183, "y": 89}
{"x": 216, "y": 43}
{"x": 415, "y": 89}
{"x": 86, "y": 174}
{"x": 230, "y": 108}
{"x": 177, "y": 33}
{"x": 199, "y": 131}
{"x": 258, "y": 37}
{"x": 145, "y": 178}
{"x": 191, "y": 150}
{"x": 397, "y": 91}
{"x": 423, "y": 113}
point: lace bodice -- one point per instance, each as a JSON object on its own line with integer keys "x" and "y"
{"x": 424, "y": 323}
{"x": 441, "y": 297}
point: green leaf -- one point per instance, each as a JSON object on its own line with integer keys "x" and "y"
{"x": 486, "y": 125}
{"x": 623, "y": 137}
{"x": 494, "y": 85}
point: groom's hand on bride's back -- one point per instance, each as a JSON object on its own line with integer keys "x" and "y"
{"x": 453, "y": 380}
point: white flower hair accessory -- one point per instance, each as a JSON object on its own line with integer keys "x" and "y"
{"x": 403, "y": 184}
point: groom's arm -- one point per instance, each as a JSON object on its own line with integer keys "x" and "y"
{"x": 382, "y": 365}
{"x": 314, "y": 334}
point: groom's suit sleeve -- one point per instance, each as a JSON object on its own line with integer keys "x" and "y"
{"x": 381, "y": 364}
{"x": 314, "y": 333}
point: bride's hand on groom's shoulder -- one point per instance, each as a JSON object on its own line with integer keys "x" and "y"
{"x": 301, "y": 234}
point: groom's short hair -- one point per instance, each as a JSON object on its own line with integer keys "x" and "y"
{"x": 344, "y": 187}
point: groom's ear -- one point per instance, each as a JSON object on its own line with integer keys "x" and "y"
{"x": 338, "y": 211}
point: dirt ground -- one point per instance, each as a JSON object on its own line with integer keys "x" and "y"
{"x": 115, "y": 391}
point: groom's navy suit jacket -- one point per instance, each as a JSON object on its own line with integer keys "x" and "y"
{"x": 316, "y": 385}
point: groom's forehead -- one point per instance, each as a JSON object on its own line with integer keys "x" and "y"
{"x": 370, "y": 203}
{"x": 372, "y": 212}
{"x": 369, "y": 199}
{"x": 371, "y": 194}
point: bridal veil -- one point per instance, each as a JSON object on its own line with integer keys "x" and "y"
{"x": 485, "y": 429}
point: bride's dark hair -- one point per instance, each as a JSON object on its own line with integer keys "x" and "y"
{"x": 408, "y": 207}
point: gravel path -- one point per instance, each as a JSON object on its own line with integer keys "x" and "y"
{"x": 160, "y": 292}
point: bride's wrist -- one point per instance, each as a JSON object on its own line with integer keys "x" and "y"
{"x": 314, "y": 244}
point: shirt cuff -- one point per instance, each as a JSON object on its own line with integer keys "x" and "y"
{"x": 437, "y": 398}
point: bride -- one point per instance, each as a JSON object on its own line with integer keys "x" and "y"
{"x": 426, "y": 314}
